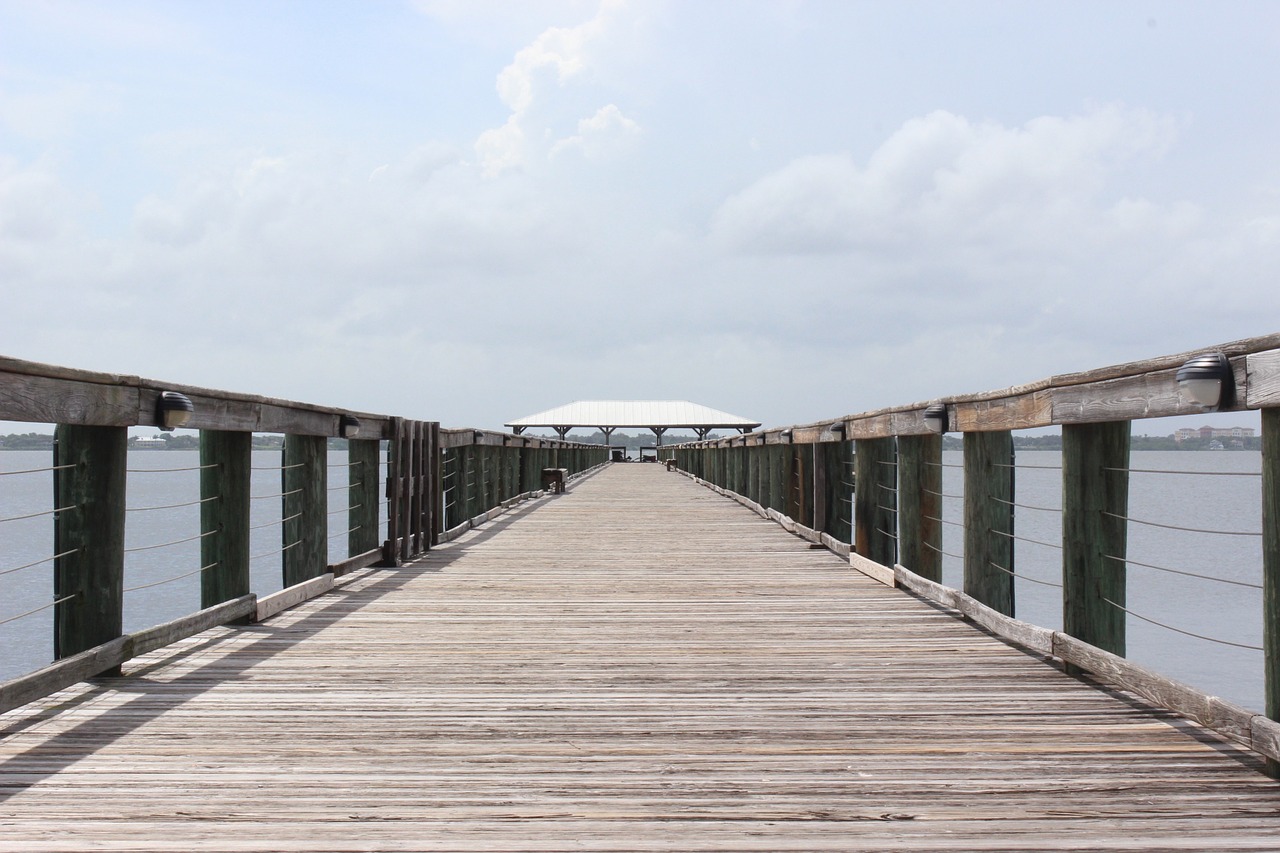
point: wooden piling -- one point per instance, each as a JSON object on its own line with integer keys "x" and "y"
{"x": 1095, "y": 499}
{"x": 874, "y": 500}
{"x": 988, "y": 518}
{"x": 225, "y": 462}
{"x": 920, "y": 504}
{"x": 88, "y": 536}
{"x": 304, "y": 478}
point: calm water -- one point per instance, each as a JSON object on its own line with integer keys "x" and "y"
{"x": 1231, "y": 613}
{"x": 1217, "y": 610}
{"x": 156, "y": 479}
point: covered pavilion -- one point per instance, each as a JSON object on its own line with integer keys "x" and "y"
{"x": 656, "y": 415}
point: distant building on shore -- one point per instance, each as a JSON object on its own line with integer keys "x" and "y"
{"x": 1208, "y": 433}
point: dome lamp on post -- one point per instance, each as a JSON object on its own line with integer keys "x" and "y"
{"x": 935, "y": 418}
{"x": 1207, "y": 381}
{"x": 173, "y": 410}
{"x": 349, "y": 426}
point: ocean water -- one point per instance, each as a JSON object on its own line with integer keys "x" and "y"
{"x": 1200, "y": 498}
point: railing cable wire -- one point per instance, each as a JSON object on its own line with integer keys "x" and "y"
{"x": 1180, "y": 631}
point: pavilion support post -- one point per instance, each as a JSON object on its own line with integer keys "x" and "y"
{"x": 988, "y": 518}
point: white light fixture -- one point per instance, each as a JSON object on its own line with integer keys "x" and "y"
{"x": 173, "y": 410}
{"x": 935, "y": 418}
{"x": 349, "y": 426}
{"x": 1207, "y": 381}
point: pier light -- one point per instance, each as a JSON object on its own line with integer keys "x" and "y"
{"x": 349, "y": 426}
{"x": 1207, "y": 381}
{"x": 173, "y": 410}
{"x": 935, "y": 418}
{"x": 786, "y": 435}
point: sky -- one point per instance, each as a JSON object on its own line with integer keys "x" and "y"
{"x": 470, "y": 211}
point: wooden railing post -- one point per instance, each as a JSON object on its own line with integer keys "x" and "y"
{"x": 873, "y": 500}
{"x": 820, "y": 487}
{"x": 395, "y": 455}
{"x": 304, "y": 480}
{"x": 920, "y": 504}
{"x": 988, "y": 518}
{"x": 225, "y": 460}
{"x": 1271, "y": 564}
{"x": 88, "y": 581}
{"x": 1095, "y": 500}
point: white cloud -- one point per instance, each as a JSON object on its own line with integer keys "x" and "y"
{"x": 946, "y": 180}
{"x": 606, "y": 131}
{"x": 559, "y": 52}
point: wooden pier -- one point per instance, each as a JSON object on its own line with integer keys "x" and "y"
{"x": 638, "y": 664}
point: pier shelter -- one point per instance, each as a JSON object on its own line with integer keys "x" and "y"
{"x": 657, "y": 416}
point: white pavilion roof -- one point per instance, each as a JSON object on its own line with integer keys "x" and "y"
{"x": 635, "y": 413}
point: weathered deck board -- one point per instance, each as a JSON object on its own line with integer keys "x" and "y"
{"x": 636, "y": 665}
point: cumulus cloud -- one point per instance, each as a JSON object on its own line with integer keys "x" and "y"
{"x": 560, "y": 53}
{"x": 606, "y": 131}
{"x": 944, "y": 178}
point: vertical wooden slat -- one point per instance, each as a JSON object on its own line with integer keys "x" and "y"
{"x": 92, "y": 530}
{"x": 920, "y": 504}
{"x": 437, "y": 483}
{"x": 364, "y": 479}
{"x": 988, "y": 518}
{"x": 409, "y": 442}
{"x": 1095, "y": 499}
{"x": 874, "y": 500}
{"x": 225, "y": 460}
{"x": 1271, "y": 563}
{"x": 820, "y": 488}
{"x": 304, "y": 480}
{"x": 395, "y": 453}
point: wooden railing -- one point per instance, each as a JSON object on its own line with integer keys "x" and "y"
{"x": 437, "y": 484}
{"x": 870, "y": 486}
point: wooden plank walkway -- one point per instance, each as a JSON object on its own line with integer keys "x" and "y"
{"x": 639, "y": 664}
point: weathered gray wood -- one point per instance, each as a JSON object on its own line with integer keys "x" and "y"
{"x": 988, "y": 519}
{"x": 395, "y": 459}
{"x": 277, "y": 602}
{"x": 88, "y": 536}
{"x": 875, "y": 499}
{"x": 920, "y": 504}
{"x": 1095, "y": 501}
{"x": 1031, "y": 636}
{"x": 357, "y": 561}
{"x": 633, "y": 665}
{"x": 103, "y": 659}
{"x": 1262, "y": 382}
{"x": 234, "y": 610}
{"x": 1271, "y": 563}
{"x": 225, "y": 460}
{"x": 305, "y": 483}
{"x": 66, "y": 401}
{"x": 925, "y": 588}
{"x": 870, "y": 568}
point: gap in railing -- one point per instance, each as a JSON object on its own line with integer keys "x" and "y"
{"x": 1202, "y": 499}
{"x": 27, "y": 531}
{"x": 162, "y": 529}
